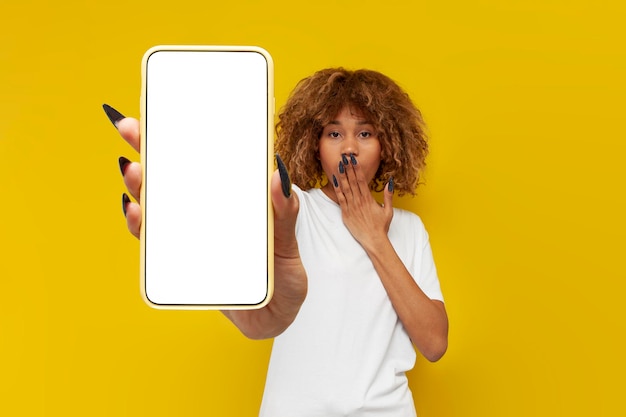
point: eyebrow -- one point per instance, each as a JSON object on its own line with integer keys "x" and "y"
{"x": 360, "y": 122}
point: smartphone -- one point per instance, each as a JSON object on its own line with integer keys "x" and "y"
{"x": 207, "y": 115}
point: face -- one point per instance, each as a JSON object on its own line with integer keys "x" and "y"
{"x": 349, "y": 133}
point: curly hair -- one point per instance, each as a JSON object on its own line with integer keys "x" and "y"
{"x": 315, "y": 102}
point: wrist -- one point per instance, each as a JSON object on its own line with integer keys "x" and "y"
{"x": 376, "y": 243}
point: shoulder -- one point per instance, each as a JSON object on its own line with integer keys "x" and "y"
{"x": 297, "y": 189}
{"x": 307, "y": 200}
{"x": 311, "y": 196}
{"x": 408, "y": 226}
{"x": 405, "y": 218}
{"x": 303, "y": 195}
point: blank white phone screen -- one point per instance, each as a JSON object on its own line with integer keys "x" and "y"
{"x": 206, "y": 164}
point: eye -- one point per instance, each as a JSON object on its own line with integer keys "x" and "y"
{"x": 334, "y": 135}
{"x": 365, "y": 134}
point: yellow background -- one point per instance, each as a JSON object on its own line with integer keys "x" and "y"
{"x": 524, "y": 201}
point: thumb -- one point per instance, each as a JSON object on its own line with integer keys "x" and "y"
{"x": 279, "y": 200}
{"x": 284, "y": 177}
{"x": 285, "y": 215}
{"x": 284, "y": 201}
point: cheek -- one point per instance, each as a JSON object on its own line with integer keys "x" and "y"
{"x": 328, "y": 156}
{"x": 329, "y": 166}
{"x": 372, "y": 161}
{"x": 373, "y": 154}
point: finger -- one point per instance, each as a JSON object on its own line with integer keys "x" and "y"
{"x": 113, "y": 115}
{"x": 355, "y": 177}
{"x": 128, "y": 127}
{"x": 285, "y": 202}
{"x": 123, "y": 162}
{"x": 342, "y": 176}
{"x": 342, "y": 184}
{"x": 129, "y": 130}
{"x": 285, "y": 208}
{"x": 132, "y": 179}
{"x": 388, "y": 198}
{"x": 132, "y": 212}
{"x": 285, "y": 214}
{"x": 284, "y": 177}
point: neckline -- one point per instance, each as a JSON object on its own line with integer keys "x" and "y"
{"x": 325, "y": 197}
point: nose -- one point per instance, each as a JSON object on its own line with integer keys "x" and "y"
{"x": 350, "y": 145}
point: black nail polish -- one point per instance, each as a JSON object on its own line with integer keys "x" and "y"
{"x": 341, "y": 168}
{"x": 344, "y": 159}
{"x": 123, "y": 164}
{"x": 353, "y": 159}
{"x": 125, "y": 201}
{"x": 285, "y": 182}
{"x": 113, "y": 115}
{"x": 390, "y": 186}
{"x": 335, "y": 181}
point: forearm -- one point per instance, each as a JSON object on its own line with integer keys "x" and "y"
{"x": 289, "y": 293}
{"x": 424, "y": 319}
{"x": 290, "y": 280}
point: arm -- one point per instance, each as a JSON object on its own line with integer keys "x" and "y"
{"x": 290, "y": 281}
{"x": 424, "y": 319}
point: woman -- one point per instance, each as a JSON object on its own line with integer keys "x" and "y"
{"x": 355, "y": 282}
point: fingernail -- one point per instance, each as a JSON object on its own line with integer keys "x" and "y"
{"x": 113, "y": 115}
{"x": 125, "y": 201}
{"x": 390, "y": 186}
{"x": 123, "y": 164}
{"x": 353, "y": 159}
{"x": 344, "y": 159}
{"x": 285, "y": 182}
{"x": 335, "y": 181}
{"x": 341, "y": 168}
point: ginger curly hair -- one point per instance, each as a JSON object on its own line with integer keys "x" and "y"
{"x": 315, "y": 102}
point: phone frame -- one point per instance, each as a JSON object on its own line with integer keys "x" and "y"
{"x": 269, "y": 164}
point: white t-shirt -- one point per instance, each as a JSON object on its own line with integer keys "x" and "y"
{"x": 347, "y": 352}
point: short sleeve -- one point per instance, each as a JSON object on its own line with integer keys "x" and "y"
{"x": 428, "y": 279}
{"x": 411, "y": 242}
